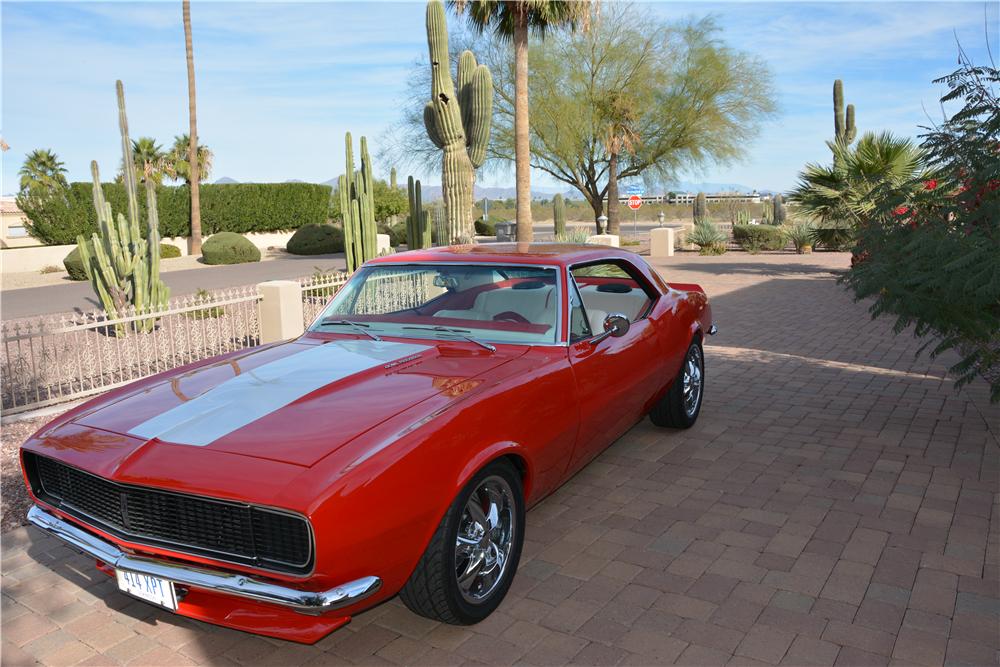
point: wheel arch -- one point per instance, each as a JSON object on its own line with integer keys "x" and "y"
{"x": 513, "y": 452}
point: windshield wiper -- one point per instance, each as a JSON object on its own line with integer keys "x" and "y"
{"x": 461, "y": 333}
{"x": 357, "y": 326}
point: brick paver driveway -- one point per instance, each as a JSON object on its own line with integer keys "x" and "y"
{"x": 835, "y": 504}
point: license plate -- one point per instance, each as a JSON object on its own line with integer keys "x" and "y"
{"x": 151, "y": 589}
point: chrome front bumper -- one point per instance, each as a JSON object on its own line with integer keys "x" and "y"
{"x": 239, "y": 585}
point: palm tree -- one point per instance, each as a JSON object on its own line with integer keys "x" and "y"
{"x": 42, "y": 169}
{"x": 194, "y": 178}
{"x": 512, "y": 20}
{"x": 149, "y": 160}
{"x": 620, "y": 137}
{"x": 178, "y": 166}
{"x": 848, "y": 191}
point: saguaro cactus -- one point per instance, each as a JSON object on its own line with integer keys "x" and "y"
{"x": 357, "y": 204}
{"x": 418, "y": 232}
{"x": 559, "y": 214}
{"x": 779, "y": 210}
{"x": 458, "y": 124}
{"x": 843, "y": 123}
{"x": 700, "y": 207}
{"x": 123, "y": 267}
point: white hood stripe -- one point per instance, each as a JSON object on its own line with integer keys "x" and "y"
{"x": 267, "y": 388}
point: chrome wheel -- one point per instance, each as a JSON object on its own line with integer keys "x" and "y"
{"x": 485, "y": 538}
{"x": 692, "y": 381}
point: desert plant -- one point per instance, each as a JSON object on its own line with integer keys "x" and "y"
{"x": 754, "y": 238}
{"x": 767, "y": 214}
{"x": 700, "y": 207}
{"x": 800, "y": 235}
{"x": 229, "y": 248}
{"x": 74, "y": 264}
{"x": 708, "y": 238}
{"x": 418, "y": 230}
{"x": 458, "y": 124}
{"x": 843, "y": 123}
{"x": 559, "y": 214}
{"x": 316, "y": 239}
{"x": 778, "y": 216}
{"x": 357, "y": 206}
{"x": 741, "y": 217}
{"x": 123, "y": 267}
{"x": 49, "y": 268}
{"x": 576, "y": 236}
{"x": 846, "y": 192}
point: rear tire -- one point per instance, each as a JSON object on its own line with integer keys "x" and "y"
{"x": 680, "y": 406}
{"x": 470, "y": 562}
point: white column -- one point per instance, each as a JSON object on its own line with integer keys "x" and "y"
{"x": 661, "y": 242}
{"x": 603, "y": 239}
{"x": 280, "y": 310}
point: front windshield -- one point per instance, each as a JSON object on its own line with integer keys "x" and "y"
{"x": 501, "y": 304}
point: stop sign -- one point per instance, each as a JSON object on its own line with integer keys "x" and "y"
{"x": 635, "y": 202}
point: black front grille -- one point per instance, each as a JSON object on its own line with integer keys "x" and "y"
{"x": 216, "y": 528}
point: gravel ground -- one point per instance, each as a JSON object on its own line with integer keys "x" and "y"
{"x": 12, "y": 494}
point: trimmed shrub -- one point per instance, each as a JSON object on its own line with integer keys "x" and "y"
{"x": 486, "y": 227}
{"x": 74, "y": 265}
{"x": 754, "y": 238}
{"x": 231, "y": 207}
{"x": 168, "y": 251}
{"x": 316, "y": 239}
{"x": 397, "y": 233}
{"x": 229, "y": 248}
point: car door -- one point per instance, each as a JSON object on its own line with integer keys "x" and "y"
{"x": 616, "y": 376}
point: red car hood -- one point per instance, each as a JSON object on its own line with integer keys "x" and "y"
{"x": 291, "y": 403}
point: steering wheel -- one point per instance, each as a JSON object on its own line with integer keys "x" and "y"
{"x": 511, "y": 316}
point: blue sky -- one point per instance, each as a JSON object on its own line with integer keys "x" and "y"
{"x": 280, "y": 83}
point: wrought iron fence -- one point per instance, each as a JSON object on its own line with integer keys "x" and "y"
{"x": 317, "y": 290}
{"x": 48, "y": 360}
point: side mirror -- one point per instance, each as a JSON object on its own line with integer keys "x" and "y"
{"x": 615, "y": 324}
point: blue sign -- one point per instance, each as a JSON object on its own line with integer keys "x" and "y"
{"x": 635, "y": 190}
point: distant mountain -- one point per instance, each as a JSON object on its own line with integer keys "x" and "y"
{"x": 225, "y": 180}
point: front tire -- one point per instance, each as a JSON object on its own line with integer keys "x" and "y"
{"x": 680, "y": 406}
{"x": 470, "y": 562}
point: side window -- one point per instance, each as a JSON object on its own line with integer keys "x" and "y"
{"x": 579, "y": 327}
{"x": 609, "y": 288}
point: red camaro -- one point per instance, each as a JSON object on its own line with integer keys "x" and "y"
{"x": 391, "y": 449}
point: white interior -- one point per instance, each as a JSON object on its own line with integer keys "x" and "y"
{"x": 535, "y": 305}
{"x": 629, "y": 304}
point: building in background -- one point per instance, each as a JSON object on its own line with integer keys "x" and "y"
{"x": 13, "y": 233}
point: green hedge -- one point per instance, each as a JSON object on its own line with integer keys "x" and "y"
{"x": 231, "y": 207}
{"x": 754, "y": 238}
